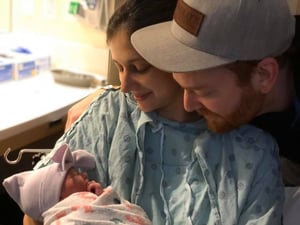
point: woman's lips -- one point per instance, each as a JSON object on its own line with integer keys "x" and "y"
{"x": 142, "y": 97}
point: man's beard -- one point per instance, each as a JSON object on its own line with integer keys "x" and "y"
{"x": 248, "y": 108}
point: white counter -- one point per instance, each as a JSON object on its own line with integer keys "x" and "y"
{"x": 30, "y": 102}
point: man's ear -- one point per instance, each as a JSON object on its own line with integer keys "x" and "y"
{"x": 267, "y": 71}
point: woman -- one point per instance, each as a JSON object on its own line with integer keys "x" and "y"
{"x": 157, "y": 155}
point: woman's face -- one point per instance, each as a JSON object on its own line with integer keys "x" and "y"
{"x": 153, "y": 89}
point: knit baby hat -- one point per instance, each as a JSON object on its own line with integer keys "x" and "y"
{"x": 36, "y": 191}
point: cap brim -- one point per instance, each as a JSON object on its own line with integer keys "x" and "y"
{"x": 159, "y": 47}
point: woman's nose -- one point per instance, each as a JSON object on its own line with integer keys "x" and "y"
{"x": 126, "y": 81}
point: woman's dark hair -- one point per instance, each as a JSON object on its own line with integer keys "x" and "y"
{"x": 136, "y": 14}
{"x": 294, "y": 56}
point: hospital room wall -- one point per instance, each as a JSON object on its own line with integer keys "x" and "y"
{"x": 74, "y": 41}
{"x": 51, "y": 18}
{"x": 33, "y": 16}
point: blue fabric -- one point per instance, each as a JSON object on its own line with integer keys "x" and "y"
{"x": 230, "y": 179}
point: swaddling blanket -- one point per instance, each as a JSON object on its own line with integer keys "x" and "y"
{"x": 88, "y": 208}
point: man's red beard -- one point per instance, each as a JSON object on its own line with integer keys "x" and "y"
{"x": 248, "y": 108}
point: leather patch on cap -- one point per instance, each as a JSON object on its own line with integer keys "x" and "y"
{"x": 188, "y": 18}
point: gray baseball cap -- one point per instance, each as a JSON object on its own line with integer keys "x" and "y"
{"x": 210, "y": 33}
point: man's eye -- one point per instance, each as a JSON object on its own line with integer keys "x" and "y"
{"x": 203, "y": 93}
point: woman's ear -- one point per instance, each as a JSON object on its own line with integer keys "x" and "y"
{"x": 267, "y": 71}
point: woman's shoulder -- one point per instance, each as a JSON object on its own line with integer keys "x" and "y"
{"x": 114, "y": 97}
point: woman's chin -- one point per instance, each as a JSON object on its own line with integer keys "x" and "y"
{"x": 146, "y": 108}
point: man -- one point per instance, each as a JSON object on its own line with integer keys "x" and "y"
{"x": 235, "y": 59}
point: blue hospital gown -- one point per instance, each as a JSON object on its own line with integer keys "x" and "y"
{"x": 181, "y": 173}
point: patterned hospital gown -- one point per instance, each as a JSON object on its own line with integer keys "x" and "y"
{"x": 180, "y": 173}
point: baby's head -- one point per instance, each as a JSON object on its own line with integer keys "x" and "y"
{"x": 38, "y": 190}
{"x": 77, "y": 181}
{"x": 74, "y": 181}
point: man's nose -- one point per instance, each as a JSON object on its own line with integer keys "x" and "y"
{"x": 190, "y": 101}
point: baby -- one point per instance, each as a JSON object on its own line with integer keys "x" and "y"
{"x": 61, "y": 194}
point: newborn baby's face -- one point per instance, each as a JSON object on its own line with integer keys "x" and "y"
{"x": 76, "y": 181}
